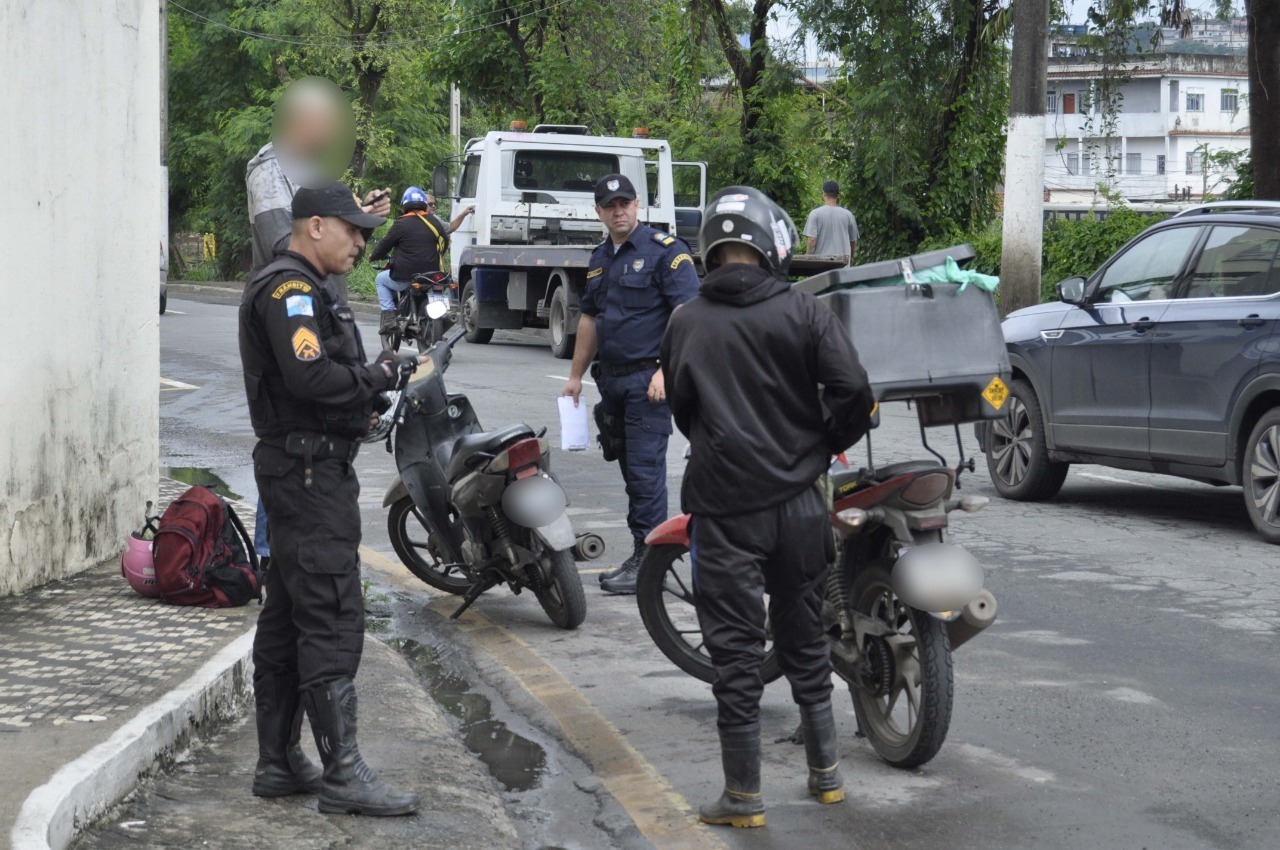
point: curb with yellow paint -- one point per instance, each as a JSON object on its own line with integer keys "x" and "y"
{"x": 661, "y": 814}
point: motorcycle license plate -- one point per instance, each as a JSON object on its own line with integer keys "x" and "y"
{"x": 433, "y": 297}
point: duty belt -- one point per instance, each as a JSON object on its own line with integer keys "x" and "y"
{"x": 311, "y": 446}
{"x": 616, "y": 370}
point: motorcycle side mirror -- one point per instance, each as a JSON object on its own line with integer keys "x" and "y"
{"x": 437, "y": 309}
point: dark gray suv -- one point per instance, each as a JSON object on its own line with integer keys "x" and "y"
{"x": 1166, "y": 360}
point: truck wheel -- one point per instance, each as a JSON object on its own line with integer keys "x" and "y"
{"x": 471, "y": 317}
{"x": 562, "y": 341}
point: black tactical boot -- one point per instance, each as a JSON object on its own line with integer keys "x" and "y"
{"x": 282, "y": 768}
{"x": 350, "y": 786}
{"x": 633, "y": 558}
{"x": 388, "y": 324}
{"x": 822, "y": 751}
{"x": 741, "y": 804}
{"x": 623, "y": 580}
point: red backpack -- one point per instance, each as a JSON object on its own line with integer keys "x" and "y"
{"x": 203, "y": 555}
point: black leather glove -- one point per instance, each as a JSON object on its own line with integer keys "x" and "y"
{"x": 404, "y": 367}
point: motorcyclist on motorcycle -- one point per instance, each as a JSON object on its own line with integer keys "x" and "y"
{"x": 419, "y": 239}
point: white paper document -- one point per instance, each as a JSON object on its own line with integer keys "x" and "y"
{"x": 575, "y": 434}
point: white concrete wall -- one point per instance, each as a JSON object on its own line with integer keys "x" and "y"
{"x": 81, "y": 221}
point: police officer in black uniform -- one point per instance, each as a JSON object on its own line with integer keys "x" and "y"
{"x": 311, "y": 397}
{"x": 766, "y": 384}
{"x": 636, "y": 277}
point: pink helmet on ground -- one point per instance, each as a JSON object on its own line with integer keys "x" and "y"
{"x": 138, "y": 566}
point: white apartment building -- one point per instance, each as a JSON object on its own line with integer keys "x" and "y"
{"x": 1174, "y": 108}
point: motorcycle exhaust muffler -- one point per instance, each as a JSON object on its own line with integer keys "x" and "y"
{"x": 974, "y": 617}
{"x": 588, "y": 547}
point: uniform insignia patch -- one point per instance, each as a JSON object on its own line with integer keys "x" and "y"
{"x": 668, "y": 240}
{"x": 595, "y": 273}
{"x": 662, "y": 238}
{"x": 289, "y": 286}
{"x": 613, "y": 185}
{"x": 681, "y": 258}
{"x": 637, "y": 265}
{"x": 305, "y": 344}
{"x": 301, "y": 305}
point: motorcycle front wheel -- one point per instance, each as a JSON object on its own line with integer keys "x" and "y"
{"x": 411, "y": 538}
{"x": 668, "y": 607}
{"x": 903, "y": 703}
{"x": 561, "y": 594}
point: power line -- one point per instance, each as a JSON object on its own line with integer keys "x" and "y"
{"x": 343, "y": 41}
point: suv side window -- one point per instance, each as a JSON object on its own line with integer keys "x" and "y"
{"x": 1236, "y": 261}
{"x": 1147, "y": 270}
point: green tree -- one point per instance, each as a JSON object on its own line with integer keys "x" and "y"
{"x": 916, "y": 128}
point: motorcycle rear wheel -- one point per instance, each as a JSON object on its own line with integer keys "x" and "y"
{"x": 561, "y": 595}
{"x": 411, "y": 538}
{"x": 905, "y": 735}
{"x": 668, "y": 607}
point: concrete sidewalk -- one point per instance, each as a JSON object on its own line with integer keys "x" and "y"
{"x": 101, "y": 689}
{"x": 405, "y": 737}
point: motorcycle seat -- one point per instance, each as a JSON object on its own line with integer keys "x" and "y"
{"x": 487, "y": 442}
{"x": 848, "y": 481}
{"x": 906, "y": 467}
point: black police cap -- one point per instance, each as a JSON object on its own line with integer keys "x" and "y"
{"x": 334, "y": 200}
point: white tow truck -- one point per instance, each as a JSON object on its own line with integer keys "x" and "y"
{"x": 521, "y": 260}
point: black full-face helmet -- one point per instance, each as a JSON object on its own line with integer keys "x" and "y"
{"x": 747, "y": 216}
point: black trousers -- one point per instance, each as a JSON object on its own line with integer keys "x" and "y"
{"x": 312, "y": 623}
{"x": 783, "y": 551}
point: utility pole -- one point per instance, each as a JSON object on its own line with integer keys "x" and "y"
{"x": 1023, "y": 230}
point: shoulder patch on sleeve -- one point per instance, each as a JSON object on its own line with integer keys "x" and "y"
{"x": 302, "y": 305}
{"x": 681, "y": 258}
{"x": 290, "y": 286}
{"x": 306, "y": 346}
{"x": 595, "y": 273}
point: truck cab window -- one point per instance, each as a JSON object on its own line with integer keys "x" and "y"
{"x": 561, "y": 171}
{"x": 470, "y": 177}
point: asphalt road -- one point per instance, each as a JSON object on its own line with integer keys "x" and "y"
{"x": 1125, "y": 698}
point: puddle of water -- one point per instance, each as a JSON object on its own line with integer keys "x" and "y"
{"x": 199, "y": 475}
{"x": 514, "y": 761}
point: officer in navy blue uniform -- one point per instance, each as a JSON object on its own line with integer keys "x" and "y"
{"x": 636, "y": 278}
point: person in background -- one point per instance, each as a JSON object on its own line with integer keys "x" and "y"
{"x": 420, "y": 240}
{"x": 831, "y": 230}
{"x": 767, "y": 386}
{"x": 311, "y": 134}
{"x": 635, "y": 278}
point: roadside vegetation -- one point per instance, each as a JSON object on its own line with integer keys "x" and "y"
{"x": 910, "y": 121}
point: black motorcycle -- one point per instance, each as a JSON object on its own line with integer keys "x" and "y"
{"x": 473, "y": 509}
{"x": 412, "y": 321}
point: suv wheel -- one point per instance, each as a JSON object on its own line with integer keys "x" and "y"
{"x": 1017, "y": 454}
{"x": 1261, "y": 476}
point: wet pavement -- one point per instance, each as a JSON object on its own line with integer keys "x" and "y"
{"x": 205, "y": 800}
{"x": 1126, "y": 696}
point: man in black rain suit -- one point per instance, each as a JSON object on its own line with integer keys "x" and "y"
{"x": 766, "y": 384}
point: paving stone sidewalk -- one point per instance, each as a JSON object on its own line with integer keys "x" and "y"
{"x": 81, "y": 657}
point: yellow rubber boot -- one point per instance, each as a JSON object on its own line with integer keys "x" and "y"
{"x": 821, "y": 749}
{"x": 741, "y": 804}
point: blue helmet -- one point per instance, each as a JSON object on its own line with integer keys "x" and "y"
{"x": 414, "y": 196}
